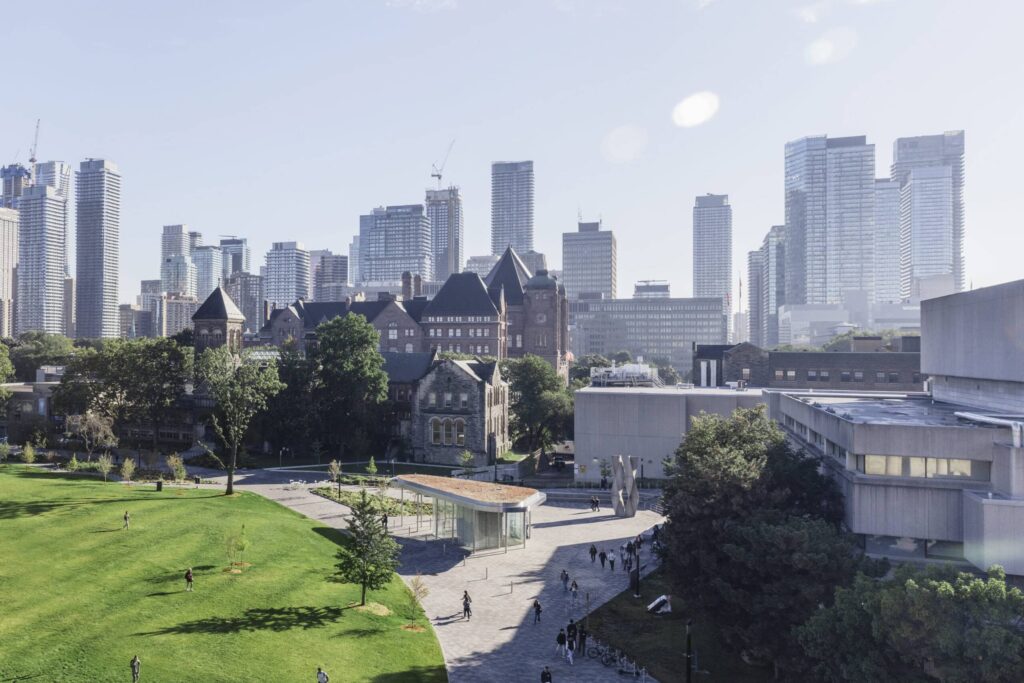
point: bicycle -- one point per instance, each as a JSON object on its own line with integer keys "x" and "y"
{"x": 598, "y": 649}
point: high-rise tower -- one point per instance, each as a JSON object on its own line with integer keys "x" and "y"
{"x": 42, "y": 261}
{"x": 511, "y": 206}
{"x": 444, "y": 209}
{"x": 98, "y": 218}
{"x": 712, "y": 249}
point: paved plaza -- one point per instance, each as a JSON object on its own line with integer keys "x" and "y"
{"x": 500, "y": 642}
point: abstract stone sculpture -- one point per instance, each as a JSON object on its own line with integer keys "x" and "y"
{"x": 625, "y": 494}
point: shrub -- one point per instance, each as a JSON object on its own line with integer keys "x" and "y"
{"x": 371, "y": 467}
{"x": 5, "y": 451}
{"x": 127, "y": 469}
{"x": 73, "y": 465}
{"x": 28, "y": 454}
{"x": 177, "y": 467}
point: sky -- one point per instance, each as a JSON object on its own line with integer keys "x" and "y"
{"x": 286, "y": 121}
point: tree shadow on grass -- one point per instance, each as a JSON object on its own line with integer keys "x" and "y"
{"x": 15, "y": 509}
{"x": 179, "y": 574}
{"x": 337, "y": 536}
{"x": 417, "y": 674}
{"x": 272, "y": 619}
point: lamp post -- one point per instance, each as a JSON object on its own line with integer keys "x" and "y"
{"x": 636, "y": 558}
{"x": 689, "y": 651}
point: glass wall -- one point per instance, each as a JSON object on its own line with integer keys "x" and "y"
{"x": 931, "y": 468}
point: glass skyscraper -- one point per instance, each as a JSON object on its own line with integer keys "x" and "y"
{"x": 395, "y": 240}
{"x": 98, "y": 219}
{"x": 887, "y": 241}
{"x": 511, "y": 206}
{"x": 42, "y": 261}
{"x": 444, "y": 209}
{"x": 712, "y": 249}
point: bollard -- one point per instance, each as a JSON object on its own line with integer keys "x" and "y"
{"x": 485, "y": 573}
{"x": 443, "y": 548}
{"x": 511, "y": 586}
{"x": 463, "y": 560}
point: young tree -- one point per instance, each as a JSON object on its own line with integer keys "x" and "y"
{"x": 105, "y": 464}
{"x": 369, "y": 558}
{"x": 417, "y": 592}
{"x": 5, "y": 451}
{"x": 236, "y": 543}
{"x": 95, "y": 431}
{"x": 127, "y": 469}
{"x": 73, "y": 464}
{"x": 28, "y": 453}
{"x": 334, "y": 469}
{"x": 349, "y": 382}
{"x": 466, "y": 458}
{"x": 241, "y": 387}
{"x": 371, "y": 467}
{"x": 177, "y": 467}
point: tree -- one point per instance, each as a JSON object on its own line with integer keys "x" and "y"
{"x": 288, "y": 420}
{"x": 466, "y": 458}
{"x": 241, "y": 387}
{"x": 349, "y": 382}
{"x": 105, "y": 464}
{"x": 36, "y": 349}
{"x": 621, "y": 357}
{"x": 236, "y": 543}
{"x": 177, "y": 467}
{"x": 541, "y": 406}
{"x": 370, "y": 556}
{"x": 158, "y": 370}
{"x": 5, "y": 451}
{"x": 95, "y": 431}
{"x": 335, "y": 471}
{"x": 127, "y": 469}
{"x": 73, "y": 464}
{"x": 417, "y": 592}
{"x": 185, "y": 338}
{"x": 371, "y": 467}
{"x": 28, "y": 454}
{"x": 580, "y": 370}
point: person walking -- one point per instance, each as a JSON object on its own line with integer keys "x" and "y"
{"x": 603, "y": 556}
{"x": 565, "y": 580}
{"x": 560, "y": 643}
{"x": 188, "y": 580}
{"x": 654, "y": 534}
{"x": 630, "y": 548}
{"x": 597, "y": 504}
{"x": 611, "y": 560}
{"x": 467, "y": 612}
{"x": 593, "y": 553}
{"x": 582, "y": 649}
{"x": 570, "y": 649}
{"x": 571, "y": 630}
{"x": 135, "y": 664}
{"x": 536, "y": 611}
{"x": 574, "y": 592}
{"x": 384, "y": 521}
{"x": 545, "y": 675}
{"x": 127, "y": 520}
{"x": 622, "y": 557}
{"x": 321, "y": 676}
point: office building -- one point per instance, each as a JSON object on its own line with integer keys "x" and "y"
{"x": 772, "y": 284}
{"x": 394, "y": 240}
{"x": 933, "y": 476}
{"x": 176, "y": 311}
{"x": 511, "y": 206}
{"x": 98, "y": 218}
{"x": 134, "y": 322}
{"x": 246, "y": 290}
{"x": 830, "y": 205}
{"x": 330, "y": 278}
{"x": 652, "y": 289}
{"x": 712, "y": 249}
{"x": 927, "y": 215}
{"x": 9, "y": 222}
{"x": 235, "y": 255}
{"x": 589, "y": 262}
{"x": 287, "y": 275}
{"x": 177, "y": 270}
{"x": 70, "y": 307}
{"x": 444, "y": 209}
{"x": 42, "y": 261}
{"x": 535, "y": 261}
{"x": 926, "y": 250}
{"x": 482, "y": 265}
{"x": 887, "y": 241}
{"x": 14, "y": 178}
{"x": 209, "y": 267}
{"x": 755, "y": 295}
{"x": 195, "y": 239}
{"x": 353, "y": 261}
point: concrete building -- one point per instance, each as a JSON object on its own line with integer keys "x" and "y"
{"x": 177, "y": 270}
{"x": 830, "y": 205}
{"x": 55, "y": 174}
{"x": 176, "y": 311}
{"x": 70, "y": 307}
{"x": 209, "y": 264}
{"x": 534, "y": 261}
{"x": 447, "y": 226}
{"x": 712, "y": 249}
{"x": 652, "y": 289}
{"x": 934, "y": 208}
{"x": 9, "y": 229}
{"x": 648, "y": 423}
{"x": 651, "y": 328}
{"x": 14, "y": 179}
{"x": 755, "y": 294}
{"x": 512, "y": 206}
{"x": 330, "y": 274}
{"x": 246, "y": 290}
{"x": 42, "y": 261}
{"x": 936, "y": 477}
{"x": 287, "y": 275}
{"x": 589, "y": 262}
{"x": 811, "y": 324}
{"x": 887, "y": 241}
{"x": 354, "y": 273}
{"x": 481, "y": 265}
{"x": 393, "y": 240}
{"x": 235, "y": 255}
{"x": 98, "y": 219}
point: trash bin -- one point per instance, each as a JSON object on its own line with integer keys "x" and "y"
{"x": 159, "y": 484}
{"x": 197, "y": 480}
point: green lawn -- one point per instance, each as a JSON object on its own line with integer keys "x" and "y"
{"x": 79, "y": 596}
{"x": 659, "y": 642}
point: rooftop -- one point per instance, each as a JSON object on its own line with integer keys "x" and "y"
{"x": 671, "y": 391}
{"x": 480, "y": 494}
{"x": 900, "y": 409}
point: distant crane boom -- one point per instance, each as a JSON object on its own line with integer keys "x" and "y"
{"x": 438, "y": 170}
{"x": 32, "y": 153}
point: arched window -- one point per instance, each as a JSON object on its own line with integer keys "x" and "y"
{"x": 435, "y": 429}
{"x": 408, "y": 348}
{"x": 460, "y": 433}
{"x": 448, "y": 433}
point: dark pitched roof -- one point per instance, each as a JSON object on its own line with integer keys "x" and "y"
{"x": 315, "y": 312}
{"x": 414, "y": 307}
{"x": 481, "y": 369}
{"x": 405, "y": 368}
{"x": 368, "y": 309}
{"x": 511, "y": 274}
{"x": 462, "y": 294}
{"x": 218, "y": 306}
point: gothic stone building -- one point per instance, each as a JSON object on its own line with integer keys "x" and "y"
{"x": 218, "y": 322}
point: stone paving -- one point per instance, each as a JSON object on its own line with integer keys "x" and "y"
{"x": 500, "y": 643}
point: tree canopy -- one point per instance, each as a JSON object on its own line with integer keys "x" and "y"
{"x": 541, "y": 406}
{"x": 35, "y": 349}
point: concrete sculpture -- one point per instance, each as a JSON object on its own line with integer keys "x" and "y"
{"x": 625, "y": 494}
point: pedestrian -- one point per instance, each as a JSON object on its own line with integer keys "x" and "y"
{"x": 582, "y": 649}
{"x": 127, "y": 520}
{"x": 466, "y": 601}
{"x": 654, "y": 534}
{"x": 545, "y": 675}
{"x": 639, "y": 542}
{"x": 321, "y": 676}
{"x": 188, "y": 580}
{"x": 611, "y": 561}
{"x": 603, "y": 556}
{"x": 597, "y": 504}
{"x": 570, "y": 649}
{"x": 593, "y": 553}
{"x": 630, "y": 547}
{"x": 565, "y": 580}
{"x": 574, "y": 591}
{"x": 384, "y": 520}
{"x": 571, "y": 630}
{"x": 622, "y": 557}
{"x": 560, "y": 643}
{"x": 536, "y": 611}
{"x": 136, "y": 664}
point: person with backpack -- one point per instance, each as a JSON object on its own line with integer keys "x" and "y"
{"x": 321, "y": 676}
{"x": 536, "y": 611}
{"x": 545, "y": 675}
{"x": 560, "y": 643}
{"x": 570, "y": 649}
{"x": 603, "y": 556}
{"x": 467, "y": 612}
{"x": 188, "y": 580}
{"x": 574, "y": 592}
{"x": 570, "y": 630}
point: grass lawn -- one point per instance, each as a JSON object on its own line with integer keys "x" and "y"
{"x": 659, "y": 642}
{"x": 80, "y": 596}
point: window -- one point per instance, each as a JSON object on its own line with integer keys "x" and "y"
{"x": 408, "y": 348}
{"x": 745, "y": 373}
{"x": 447, "y": 399}
{"x": 472, "y": 332}
{"x": 392, "y": 333}
{"x": 844, "y": 376}
{"x": 917, "y": 378}
{"x": 458, "y": 332}
{"x": 917, "y": 467}
{"x": 812, "y": 375}
{"x": 790, "y": 375}
{"x": 879, "y": 377}
{"x": 487, "y": 348}
{"x": 451, "y": 332}
{"x": 487, "y": 332}
{"x": 858, "y": 375}
{"x": 460, "y": 433}
{"x": 449, "y": 433}
{"x": 894, "y": 378}
{"x": 463, "y": 400}
{"x": 779, "y": 374}
{"x": 435, "y": 431}
{"x": 519, "y": 341}
{"x": 432, "y": 399}
{"x": 823, "y": 376}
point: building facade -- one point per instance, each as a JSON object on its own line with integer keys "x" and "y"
{"x": 177, "y": 270}
{"x": 772, "y": 283}
{"x": 176, "y": 311}
{"x": 330, "y": 274}
{"x": 42, "y": 261}
{"x": 217, "y": 322}
{"x": 447, "y": 226}
{"x": 98, "y": 218}
{"x": 14, "y": 178}
{"x": 712, "y": 249}
{"x": 482, "y": 265}
{"x": 9, "y": 230}
{"x": 209, "y": 264}
{"x": 393, "y": 240}
{"x": 353, "y": 261}
{"x": 235, "y": 255}
{"x": 246, "y": 290}
{"x": 287, "y": 275}
{"x": 511, "y": 206}
{"x": 589, "y": 262}
{"x": 926, "y": 245}
{"x": 887, "y": 252}
{"x": 755, "y": 312}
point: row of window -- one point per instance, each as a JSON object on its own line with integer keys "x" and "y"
{"x": 931, "y": 468}
{"x": 480, "y": 349}
{"x": 447, "y": 400}
{"x": 448, "y": 432}
{"x": 881, "y": 377}
{"x": 457, "y": 332}
{"x": 459, "y": 319}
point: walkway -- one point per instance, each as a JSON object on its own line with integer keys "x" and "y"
{"x": 500, "y": 642}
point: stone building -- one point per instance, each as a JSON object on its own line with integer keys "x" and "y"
{"x": 218, "y": 322}
{"x": 465, "y": 318}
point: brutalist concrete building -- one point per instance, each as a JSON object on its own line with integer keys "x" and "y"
{"x": 940, "y": 474}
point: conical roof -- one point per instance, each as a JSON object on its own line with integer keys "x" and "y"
{"x": 511, "y": 274}
{"x": 219, "y": 306}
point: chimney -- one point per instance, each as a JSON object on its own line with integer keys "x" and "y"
{"x": 407, "y": 285}
{"x": 418, "y": 286}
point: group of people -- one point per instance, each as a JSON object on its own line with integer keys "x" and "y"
{"x": 569, "y": 586}
{"x": 570, "y": 640}
{"x": 595, "y": 504}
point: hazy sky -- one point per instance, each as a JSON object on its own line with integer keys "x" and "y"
{"x": 283, "y": 121}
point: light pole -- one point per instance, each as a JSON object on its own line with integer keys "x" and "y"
{"x": 636, "y": 557}
{"x": 689, "y": 651}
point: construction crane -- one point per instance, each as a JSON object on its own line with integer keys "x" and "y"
{"x": 438, "y": 170}
{"x": 32, "y": 153}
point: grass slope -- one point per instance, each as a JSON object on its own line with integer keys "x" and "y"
{"x": 80, "y": 596}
